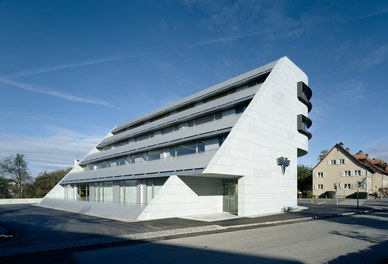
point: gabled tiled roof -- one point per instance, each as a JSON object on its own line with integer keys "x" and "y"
{"x": 360, "y": 159}
{"x": 377, "y": 165}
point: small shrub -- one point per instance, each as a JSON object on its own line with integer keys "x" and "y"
{"x": 361, "y": 195}
{"x": 307, "y": 194}
{"x": 328, "y": 194}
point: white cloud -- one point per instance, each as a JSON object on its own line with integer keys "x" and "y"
{"x": 231, "y": 38}
{"x": 351, "y": 90}
{"x": 246, "y": 18}
{"x": 50, "y": 92}
{"x": 374, "y": 56}
{"x": 56, "y": 151}
{"x": 73, "y": 65}
{"x": 377, "y": 12}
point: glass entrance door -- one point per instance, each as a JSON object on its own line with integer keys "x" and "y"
{"x": 230, "y": 196}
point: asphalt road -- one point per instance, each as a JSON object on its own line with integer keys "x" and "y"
{"x": 46, "y": 229}
{"x": 33, "y": 225}
{"x": 352, "y": 239}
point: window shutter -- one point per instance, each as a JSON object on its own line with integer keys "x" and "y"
{"x": 315, "y": 187}
{"x": 342, "y": 173}
{"x": 341, "y": 185}
{"x": 329, "y": 162}
{"x": 337, "y": 161}
{"x": 362, "y": 172}
{"x": 324, "y": 174}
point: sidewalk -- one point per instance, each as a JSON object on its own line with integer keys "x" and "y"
{"x": 176, "y": 227}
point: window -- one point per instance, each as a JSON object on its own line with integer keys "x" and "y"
{"x": 240, "y": 109}
{"x": 103, "y": 164}
{"x": 221, "y": 140}
{"x": 150, "y": 190}
{"x": 347, "y": 186}
{"x": 137, "y": 158}
{"x": 204, "y": 119}
{"x": 348, "y": 173}
{"x": 154, "y": 155}
{"x": 121, "y": 161}
{"x": 333, "y": 162}
{"x": 186, "y": 149}
{"x": 320, "y": 174}
{"x": 303, "y": 123}
{"x": 130, "y": 191}
{"x": 218, "y": 115}
{"x": 201, "y": 146}
{"x": 167, "y": 130}
{"x": 304, "y": 94}
{"x": 172, "y": 151}
{"x": 357, "y": 173}
{"x": 341, "y": 161}
{"x": 107, "y": 192}
{"x": 320, "y": 186}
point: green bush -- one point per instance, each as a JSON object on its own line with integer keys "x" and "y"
{"x": 328, "y": 194}
{"x": 307, "y": 194}
{"x": 361, "y": 195}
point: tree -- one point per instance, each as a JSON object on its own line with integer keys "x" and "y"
{"x": 305, "y": 179}
{"x": 3, "y": 187}
{"x": 322, "y": 155}
{"x": 47, "y": 180}
{"x": 17, "y": 169}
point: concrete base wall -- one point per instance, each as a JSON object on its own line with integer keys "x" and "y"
{"x": 20, "y": 201}
{"x": 116, "y": 211}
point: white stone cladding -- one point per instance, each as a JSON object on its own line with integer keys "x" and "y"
{"x": 185, "y": 196}
{"x": 266, "y": 131}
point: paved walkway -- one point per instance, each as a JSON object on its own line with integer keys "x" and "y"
{"x": 37, "y": 229}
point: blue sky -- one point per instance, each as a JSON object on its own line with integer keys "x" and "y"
{"x": 72, "y": 70}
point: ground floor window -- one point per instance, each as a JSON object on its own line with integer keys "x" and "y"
{"x": 140, "y": 191}
{"x": 129, "y": 191}
{"x": 107, "y": 192}
{"x": 83, "y": 192}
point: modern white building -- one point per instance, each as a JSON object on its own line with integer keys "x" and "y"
{"x": 232, "y": 148}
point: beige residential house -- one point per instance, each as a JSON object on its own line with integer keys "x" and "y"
{"x": 343, "y": 172}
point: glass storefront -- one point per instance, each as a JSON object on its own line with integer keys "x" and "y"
{"x": 130, "y": 191}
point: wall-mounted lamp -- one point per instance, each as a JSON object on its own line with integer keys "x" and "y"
{"x": 284, "y": 162}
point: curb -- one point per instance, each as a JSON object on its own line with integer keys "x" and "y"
{"x": 161, "y": 235}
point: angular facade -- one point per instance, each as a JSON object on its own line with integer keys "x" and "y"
{"x": 230, "y": 148}
{"x": 346, "y": 171}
